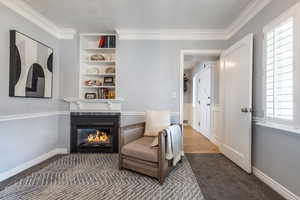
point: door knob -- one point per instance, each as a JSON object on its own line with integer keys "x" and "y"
{"x": 208, "y": 104}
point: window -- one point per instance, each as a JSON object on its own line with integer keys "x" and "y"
{"x": 280, "y": 50}
{"x": 279, "y": 71}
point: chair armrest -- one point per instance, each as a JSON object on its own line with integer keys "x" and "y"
{"x": 131, "y": 133}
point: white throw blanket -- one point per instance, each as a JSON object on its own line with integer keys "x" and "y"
{"x": 174, "y": 148}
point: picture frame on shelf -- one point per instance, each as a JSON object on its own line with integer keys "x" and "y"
{"x": 108, "y": 81}
{"x": 90, "y": 95}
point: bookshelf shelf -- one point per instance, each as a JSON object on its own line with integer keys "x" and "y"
{"x": 103, "y": 74}
{"x": 97, "y": 64}
{"x": 96, "y": 87}
{"x": 98, "y": 49}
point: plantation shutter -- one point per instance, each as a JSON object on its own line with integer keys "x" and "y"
{"x": 279, "y": 71}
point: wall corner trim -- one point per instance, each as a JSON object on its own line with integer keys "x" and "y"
{"x": 275, "y": 185}
{"x": 18, "y": 169}
{"x": 26, "y": 11}
{"x": 245, "y": 16}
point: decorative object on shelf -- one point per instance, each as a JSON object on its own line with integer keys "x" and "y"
{"x": 185, "y": 84}
{"x": 98, "y": 83}
{"x": 90, "y": 95}
{"x": 107, "y": 57}
{"x": 88, "y": 83}
{"x": 110, "y": 70}
{"x": 108, "y": 81}
{"x": 111, "y": 94}
{"x": 97, "y": 57}
{"x": 113, "y": 57}
{"x": 93, "y": 70}
{"x": 31, "y": 64}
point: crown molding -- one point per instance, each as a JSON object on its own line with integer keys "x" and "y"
{"x": 36, "y": 18}
{"x": 254, "y": 7}
{"x": 171, "y": 34}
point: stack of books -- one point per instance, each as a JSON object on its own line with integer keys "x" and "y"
{"x": 107, "y": 41}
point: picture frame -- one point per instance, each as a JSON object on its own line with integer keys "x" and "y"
{"x": 90, "y": 95}
{"x": 108, "y": 81}
{"x": 30, "y": 68}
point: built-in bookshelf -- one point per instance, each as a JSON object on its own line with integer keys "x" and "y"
{"x": 98, "y": 66}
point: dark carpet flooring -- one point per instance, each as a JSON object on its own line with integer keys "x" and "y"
{"x": 218, "y": 178}
{"x": 221, "y": 179}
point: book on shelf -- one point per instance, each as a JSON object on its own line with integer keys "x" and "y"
{"x": 105, "y": 93}
{"x": 107, "y": 41}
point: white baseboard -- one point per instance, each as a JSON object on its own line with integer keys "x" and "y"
{"x": 215, "y": 141}
{"x": 283, "y": 191}
{"x": 31, "y": 163}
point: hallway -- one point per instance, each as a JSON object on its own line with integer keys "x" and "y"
{"x": 194, "y": 142}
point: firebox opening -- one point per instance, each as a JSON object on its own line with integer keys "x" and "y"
{"x": 94, "y": 137}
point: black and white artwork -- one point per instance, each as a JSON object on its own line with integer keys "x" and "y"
{"x": 31, "y": 64}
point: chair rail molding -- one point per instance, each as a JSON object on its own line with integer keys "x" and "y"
{"x": 5, "y": 118}
{"x": 26, "y": 11}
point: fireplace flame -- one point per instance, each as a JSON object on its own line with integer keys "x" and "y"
{"x": 99, "y": 137}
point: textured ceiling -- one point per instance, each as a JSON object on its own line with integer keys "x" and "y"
{"x": 107, "y": 15}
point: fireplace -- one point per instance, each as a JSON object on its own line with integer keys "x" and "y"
{"x": 94, "y": 132}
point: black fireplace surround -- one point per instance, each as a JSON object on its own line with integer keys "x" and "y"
{"x": 94, "y": 132}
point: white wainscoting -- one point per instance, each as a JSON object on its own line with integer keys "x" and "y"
{"x": 188, "y": 113}
{"x": 31, "y": 163}
{"x": 216, "y": 125}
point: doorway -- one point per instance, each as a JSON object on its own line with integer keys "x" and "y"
{"x": 200, "y": 73}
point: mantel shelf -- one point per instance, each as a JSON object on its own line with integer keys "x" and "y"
{"x": 95, "y": 101}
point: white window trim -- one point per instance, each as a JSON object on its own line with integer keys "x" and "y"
{"x": 294, "y": 124}
{"x": 287, "y": 128}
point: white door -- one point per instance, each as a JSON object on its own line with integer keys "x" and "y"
{"x": 204, "y": 101}
{"x": 236, "y": 102}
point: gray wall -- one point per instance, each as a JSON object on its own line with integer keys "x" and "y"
{"x": 25, "y": 139}
{"x": 275, "y": 152}
{"x": 148, "y": 72}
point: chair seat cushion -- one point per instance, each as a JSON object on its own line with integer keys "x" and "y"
{"x": 141, "y": 149}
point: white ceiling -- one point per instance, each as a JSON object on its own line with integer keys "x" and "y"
{"x": 108, "y": 15}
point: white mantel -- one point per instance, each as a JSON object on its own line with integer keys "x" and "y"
{"x": 94, "y": 105}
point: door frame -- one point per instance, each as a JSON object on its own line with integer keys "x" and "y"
{"x": 183, "y": 52}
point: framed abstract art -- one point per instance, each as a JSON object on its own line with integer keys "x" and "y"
{"x": 31, "y": 67}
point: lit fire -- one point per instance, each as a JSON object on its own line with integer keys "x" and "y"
{"x": 99, "y": 137}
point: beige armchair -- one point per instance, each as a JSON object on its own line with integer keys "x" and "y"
{"x": 136, "y": 153}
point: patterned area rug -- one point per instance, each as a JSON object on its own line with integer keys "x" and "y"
{"x": 97, "y": 177}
